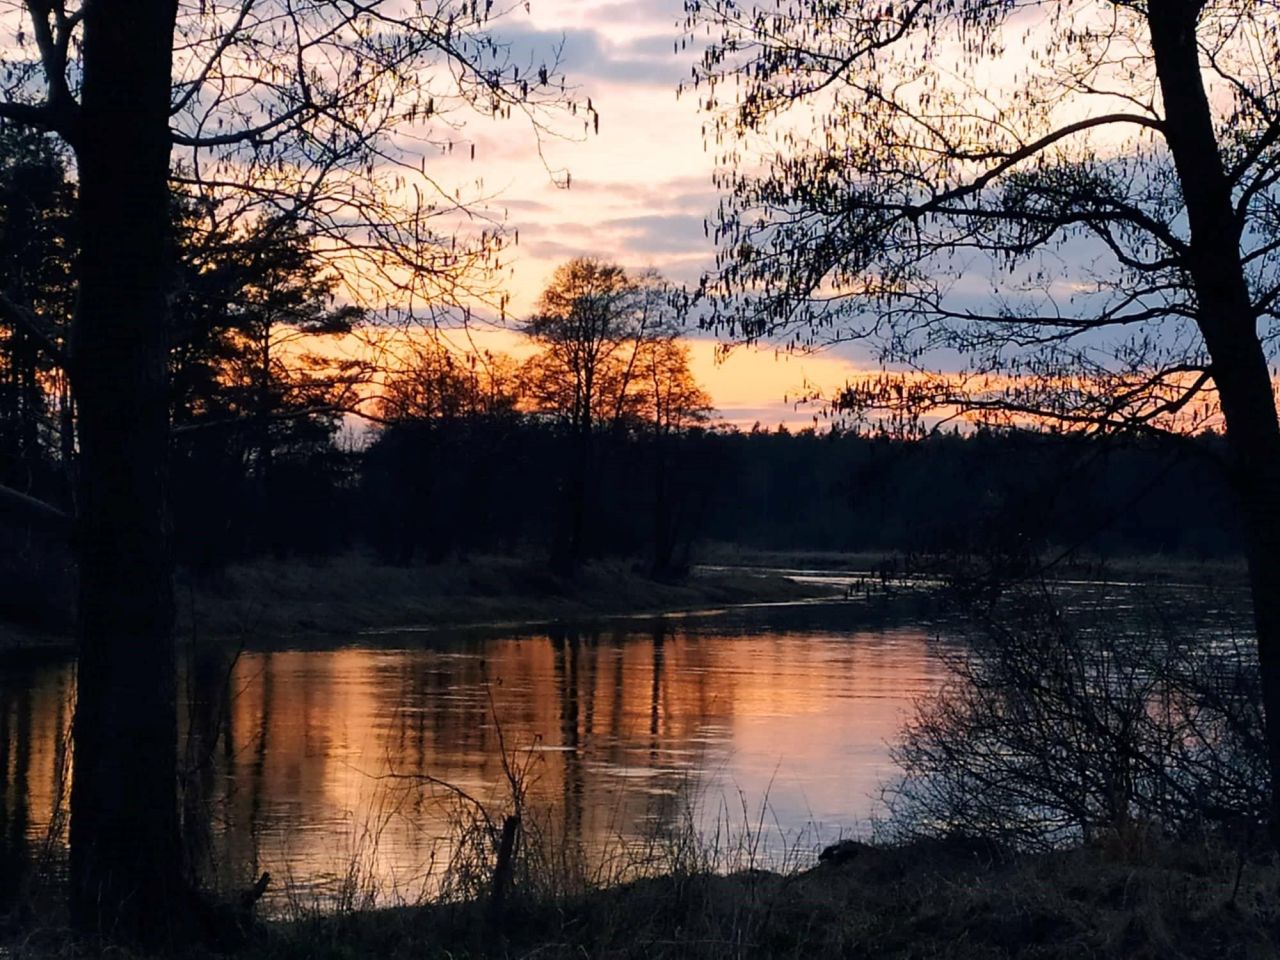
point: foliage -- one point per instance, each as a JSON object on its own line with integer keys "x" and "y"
{"x": 593, "y": 322}
{"x": 1110, "y": 168}
{"x": 37, "y": 248}
{"x": 996, "y": 184}
{"x": 609, "y": 359}
{"x": 434, "y": 384}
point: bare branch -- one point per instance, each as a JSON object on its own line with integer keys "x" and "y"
{"x": 25, "y": 320}
{"x": 28, "y": 507}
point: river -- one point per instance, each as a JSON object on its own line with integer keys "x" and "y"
{"x": 348, "y": 771}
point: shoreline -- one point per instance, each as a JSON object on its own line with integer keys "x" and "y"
{"x": 1128, "y": 895}
{"x": 312, "y": 602}
{"x": 341, "y": 598}
{"x": 353, "y": 596}
{"x": 1138, "y": 568}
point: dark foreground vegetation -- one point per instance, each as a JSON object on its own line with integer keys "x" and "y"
{"x": 1126, "y": 898}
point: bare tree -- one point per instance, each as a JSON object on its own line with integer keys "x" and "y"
{"x": 672, "y": 402}
{"x": 598, "y": 328}
{"x": 1078, "y": 199}
{"x": 438, "y": 383}
{"x": 318, "y": 110}
{"x": 1055, "y": 727}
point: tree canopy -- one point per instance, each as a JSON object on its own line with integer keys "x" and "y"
{"x": 995, "y": 189}
{"x": 1076, "y": 200}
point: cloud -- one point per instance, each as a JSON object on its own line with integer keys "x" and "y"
{"x": 629, "y": 12}
{"x": 660, "y": 233}
{"x": 771, "y": 416}
{"x": 555, "y": 249}
{"x": 524, "y": 205}
{"x": 588, "y": 54}
{"x": 688, "y": 193}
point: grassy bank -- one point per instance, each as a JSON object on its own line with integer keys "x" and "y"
{"x": 297, "y": 598}
{"x": 350, "y": 594}
{"x": 1124, "y": 899}
{"x": 1127, "y": 899}
{"x": 300, "y": 600}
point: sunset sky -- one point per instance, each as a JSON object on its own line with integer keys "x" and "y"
{"x": 639, "y": 189}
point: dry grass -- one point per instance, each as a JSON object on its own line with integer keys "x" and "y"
{"x": 352, "y": 593}
{"x": 690, "y": 894}
{"x": 936, "y": 900}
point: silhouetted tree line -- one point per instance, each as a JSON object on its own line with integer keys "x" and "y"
{"x": 598, "y": 445}
{"x": 497, "y": 483}
{"x": 494, "y": 486}
{"x": 493, "y": 481}
{"x": 1005, "y": 491}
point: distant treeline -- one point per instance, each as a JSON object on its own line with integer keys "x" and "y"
{"x": 597, "y": 444}
{"x": 422, "y": 491}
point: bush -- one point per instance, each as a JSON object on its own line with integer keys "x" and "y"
{"x": 1053, "y": 729}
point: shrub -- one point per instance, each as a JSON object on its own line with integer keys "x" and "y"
{"x": 1054, "y": 728}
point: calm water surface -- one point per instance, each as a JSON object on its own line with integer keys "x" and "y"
{"x": 309, "y": 762}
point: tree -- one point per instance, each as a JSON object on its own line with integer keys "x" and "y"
{"x": 671, "y": 402}
{"x": 594, "y": 323}
{"x": 37, "y": 247}
{"x": 436, "y": 479}
{"x": 1117, "y": 180}
{"x": 273, "y": 104}
{"x": 434, "y": 383}
{"x": 251, "y": 383}
{"x": 584, "y": 321}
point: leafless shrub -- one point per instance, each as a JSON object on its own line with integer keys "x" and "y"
{"x": 1056, "y": 729}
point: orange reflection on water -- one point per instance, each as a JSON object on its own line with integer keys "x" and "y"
{"x": 313, "y": 764}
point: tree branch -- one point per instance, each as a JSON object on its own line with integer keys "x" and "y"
{"x": 15, "y": 501}
{"x": 25, "y": 320}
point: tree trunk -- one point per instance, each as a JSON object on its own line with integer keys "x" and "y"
{"x": 1229, "y": 324}
{"x": 125, "y": 853}
{"x": 664, "y": 536}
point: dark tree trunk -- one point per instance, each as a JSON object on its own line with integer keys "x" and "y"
{"x": 571, "y": 543}
{"x": 125, "y": 852}
{"x": 664, "y": 532}
{"x": 579, "y": 497}
{"x": 1229, "y": 323}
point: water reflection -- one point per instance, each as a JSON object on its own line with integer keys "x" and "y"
{"x": 309, "y": 763}
{"x": 35, "y": 729}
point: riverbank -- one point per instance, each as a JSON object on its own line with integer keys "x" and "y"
{"x": 1126, "y": 898}
{"x": 352, "y": 594}
{"x": 336, "y": 597}
{"x": 298, "y": 600}
{"x": 1142, "y": 568}
{"x": 311, "y": 600}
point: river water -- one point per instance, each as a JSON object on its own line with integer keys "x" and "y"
{"x": 350, "y": 770}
